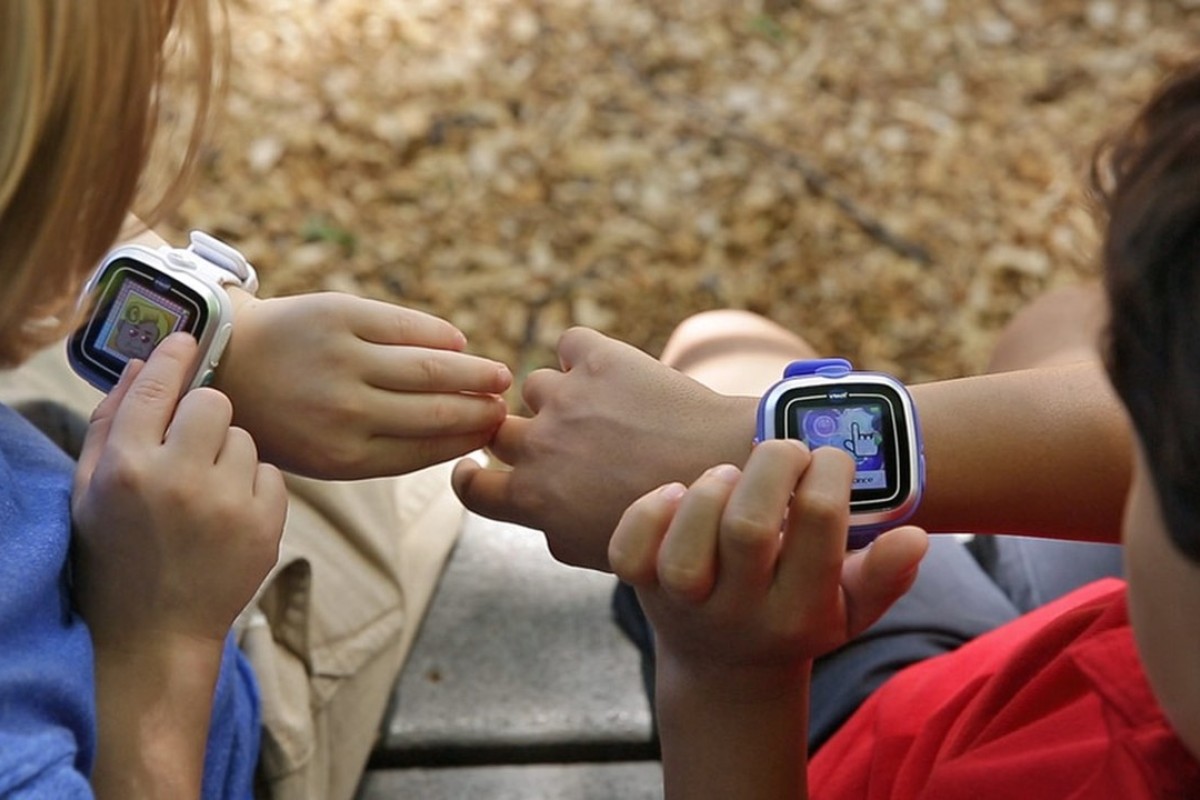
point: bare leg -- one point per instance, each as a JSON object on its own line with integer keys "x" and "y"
{"x": 733, "y": 352}
{"x": 1061, "y": 326}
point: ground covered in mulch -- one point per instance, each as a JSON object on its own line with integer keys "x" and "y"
{"x": 891, "y": 178}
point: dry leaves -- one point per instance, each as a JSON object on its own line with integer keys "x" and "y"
{"x": 891, "y": 178}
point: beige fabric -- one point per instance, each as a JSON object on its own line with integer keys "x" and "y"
{"x": 333, "y": 624}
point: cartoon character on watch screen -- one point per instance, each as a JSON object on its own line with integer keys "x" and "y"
{"x": 138, "y": 332}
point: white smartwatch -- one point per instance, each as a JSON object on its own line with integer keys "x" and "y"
{"x": 139, "y": 295}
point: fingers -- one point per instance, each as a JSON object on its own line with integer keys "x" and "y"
{"x": 634, "y": 546}
{"x": 148, "y": 405}
{"x": 270, "y": 489}
{"x": 423, "y": 369}
{"x": 200, "y": 426}
{"x": 418, "y": 416}
{"x": 875, "y": 578}
{"x": 101, "y": 421}
{"x": 484, "y": 491}
{"x": 390, "y": 456}
{"x": 810, "y": 561}
{"x": 753, "y": 521}
{"x": 508, "y": 443}
{"x": 687, "y": 559}
{"x": 576, "y": 343}
{"x": 383, "y": 323}
{"x": 540, "y": 385}
{"x": 725, "y": 537}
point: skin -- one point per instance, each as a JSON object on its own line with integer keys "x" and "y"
{"x": 614, "y": 422}
{"x": 740, "y": 610}
{"x": 1164, "y": 603}
{"x": 176, "y": 525}
{"x": 746, "y": 579}
{"x": 339, "y": 387}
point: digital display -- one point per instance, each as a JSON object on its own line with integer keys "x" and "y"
{"x": 857, "y": 429}
{"x": 864, "y": 421}
{"x": 135, "y": 307}
{"x": 139, "y": 319}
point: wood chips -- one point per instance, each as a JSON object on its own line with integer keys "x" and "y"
{"x": 890, "y": 178}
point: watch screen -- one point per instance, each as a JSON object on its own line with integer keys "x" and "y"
{"x": 863, "y": 422}
{"x": 136, "y": 307}
{"x": 857, "y": 429}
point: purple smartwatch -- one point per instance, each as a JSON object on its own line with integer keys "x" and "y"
{"x": 870, "y": 415}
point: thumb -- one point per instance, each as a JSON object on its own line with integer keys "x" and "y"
{"x": 99, "y": 424}
{"x": 877, "y": 577}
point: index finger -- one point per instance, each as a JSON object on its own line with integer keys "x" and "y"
{"x": 149, "y": 404}
{"x": 382, "y": 323}
{"x": 100, "y": 422}
{"x": 814, "y": 546}
{"x": 576, "y": 343}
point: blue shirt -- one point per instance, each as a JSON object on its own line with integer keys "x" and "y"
{"x": 47, "y": 684}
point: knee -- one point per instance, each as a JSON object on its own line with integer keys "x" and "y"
{"x": 1064, "y": 324}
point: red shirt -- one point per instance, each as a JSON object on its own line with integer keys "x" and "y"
{"x": 1053, "y": 705}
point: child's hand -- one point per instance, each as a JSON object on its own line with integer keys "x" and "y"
{"x": 746, "y": 575}
{"x": 341, "y": 387}
{"x": 177, "y": 523}
{"x": 176, "y": 526}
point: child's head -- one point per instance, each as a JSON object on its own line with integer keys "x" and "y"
{"x": 1152, "y": 267}
{"x": 78, "y": 109}
{"x": 1151, "y": 187}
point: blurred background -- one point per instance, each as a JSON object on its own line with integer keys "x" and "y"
{"x": 890, "y": 178}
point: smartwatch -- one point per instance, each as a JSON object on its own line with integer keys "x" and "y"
{"x": 870, "y": 415}
{"x": 139, "y": 295}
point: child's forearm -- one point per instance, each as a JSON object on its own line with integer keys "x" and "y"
{"x": 153, "y": 706}
{"x": 724, "y": 736}
{"x": 1041, "y": 452}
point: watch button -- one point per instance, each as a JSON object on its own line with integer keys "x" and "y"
{"x": 206, "y": 378}
{"x": 178, "y": 259}
{"x": 218, "y": 345}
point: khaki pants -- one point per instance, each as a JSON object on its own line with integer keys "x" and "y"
{"x": 332, "y": 625}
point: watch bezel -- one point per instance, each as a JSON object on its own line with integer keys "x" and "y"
{"x": 205, "y": 307}
{"x": 869, "y": 508}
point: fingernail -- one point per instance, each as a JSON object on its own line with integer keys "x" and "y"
{"x": 725, "y": 472}
{"x": 672, "y": 491}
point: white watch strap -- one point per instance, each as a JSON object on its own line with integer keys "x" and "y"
{"x": 233, "y": 266}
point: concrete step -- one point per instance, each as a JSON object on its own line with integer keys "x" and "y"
{"x": 617, "y": 781}
{"x": 520, "y": 677}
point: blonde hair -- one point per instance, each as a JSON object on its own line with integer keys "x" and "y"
{"x": 80, "y": 93}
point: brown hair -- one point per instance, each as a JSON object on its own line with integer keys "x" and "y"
{"x": 79, "y": 106}
{"x": 1149, "y": 181}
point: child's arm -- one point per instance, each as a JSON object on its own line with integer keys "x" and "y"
{"x": 177, "y": 524}
{"x": 746, "y": 580}
{"x": 342, "y": 387}
{"x": 1038, "y": 451}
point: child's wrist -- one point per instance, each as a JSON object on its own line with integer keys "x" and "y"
{"x": 729, "y": 683}
{"x": 240, "y": 341}
{"x": 240, "y": 298}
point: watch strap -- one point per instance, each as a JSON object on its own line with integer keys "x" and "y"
{"x": 216, "y": 260}
{"x": 825, "y": 367}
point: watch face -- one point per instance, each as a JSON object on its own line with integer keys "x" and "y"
{"x": 867, "y": 421}
{"x": 134, "y": 307}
